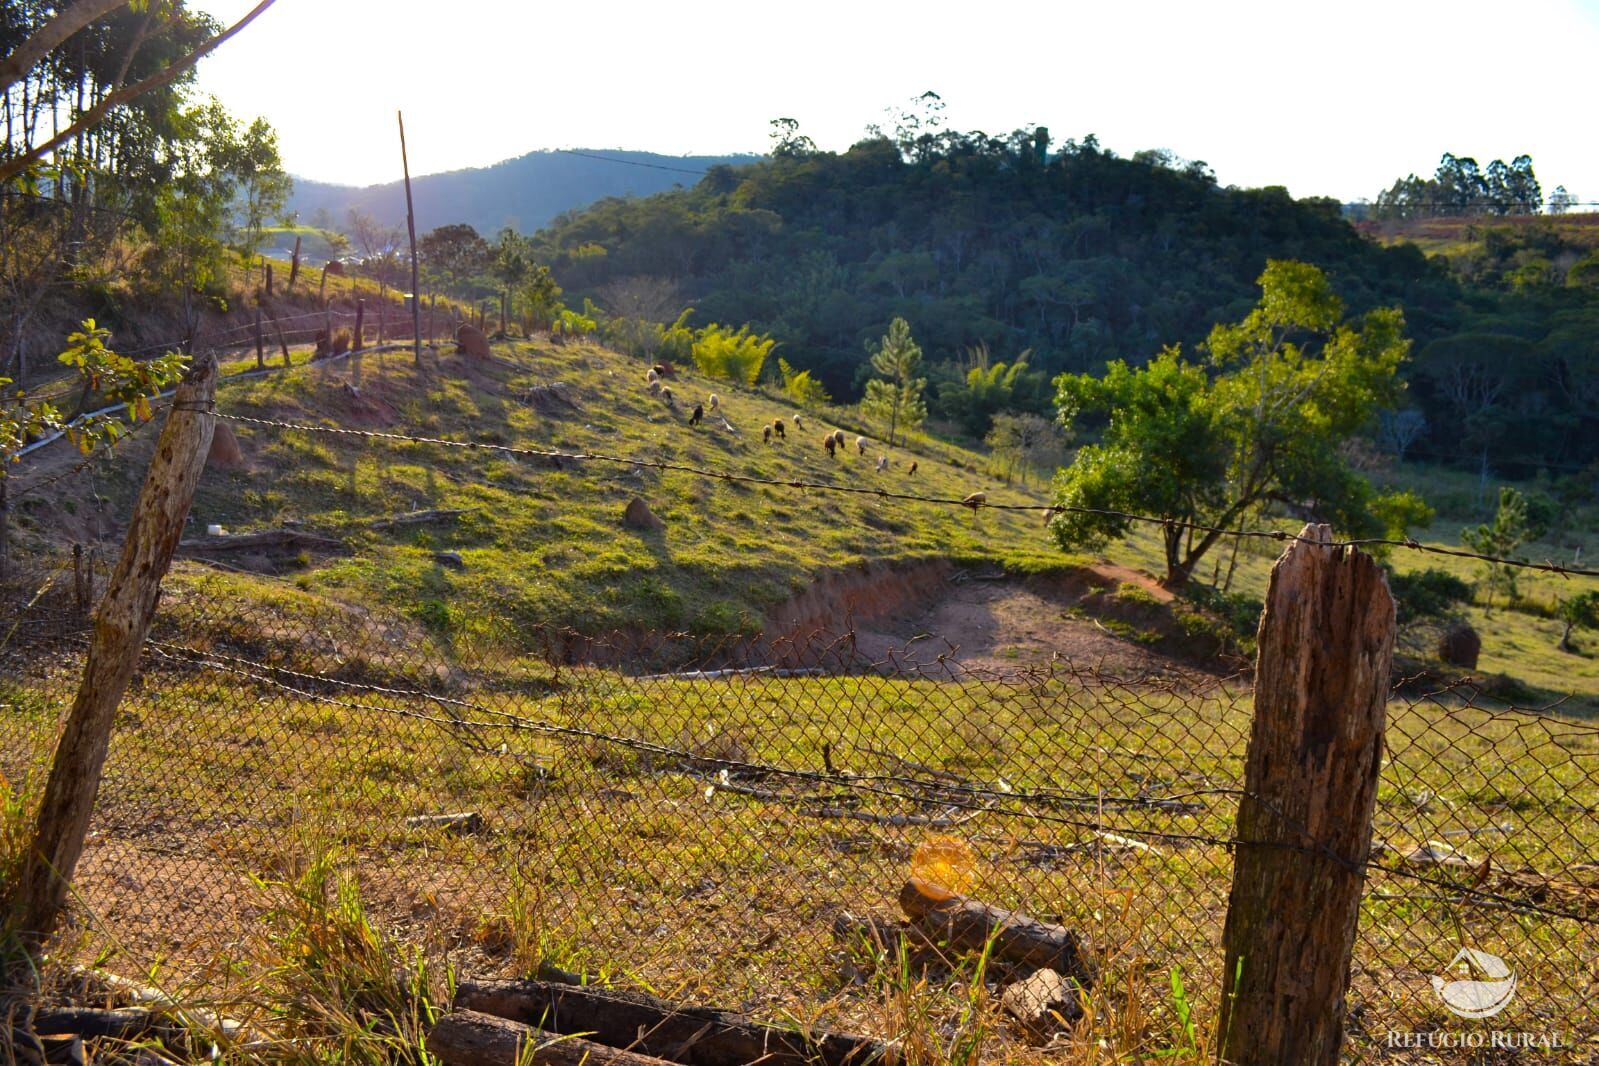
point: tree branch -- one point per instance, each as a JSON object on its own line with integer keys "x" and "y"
{"x": 12, "y": 167}
{"x": 49, "y": 36}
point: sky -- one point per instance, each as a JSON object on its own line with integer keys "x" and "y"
{"x": 1327, "y": 99}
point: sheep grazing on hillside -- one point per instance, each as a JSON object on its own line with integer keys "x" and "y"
{"x": 666, "y": 397}
{"x": 766, "y": 434}
{"x": 777, "y": 427}
{"x": 860, "y": 444}
{"x": 699, "y": 413}
{"x": 882, "y": 463}
{"x": 976, "y": 500}
{"x": 838, "y": 437}
{"x": 715, "y": 402}
{"x": 912, "y": 470}
{"x": 799, "y": 423}
{"x": 830, "y": 442}
{"x": 651, "y": 376}
{"x": 655, "y": 388}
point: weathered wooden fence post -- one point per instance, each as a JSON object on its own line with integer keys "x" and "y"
{"x": 294, "y": 264}
{"x": 1304, "y": 822}
{"x": 356, "y": 340}
{"x": 260, "y": 341}
{"x": 120, "y": 625}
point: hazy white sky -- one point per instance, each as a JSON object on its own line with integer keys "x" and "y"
{"x": 1330, "y": 99}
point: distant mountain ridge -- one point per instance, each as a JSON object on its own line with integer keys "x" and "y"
{"x": 524, "y": 193}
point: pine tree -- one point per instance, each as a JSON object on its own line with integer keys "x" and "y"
{"x": 897, "y": 400}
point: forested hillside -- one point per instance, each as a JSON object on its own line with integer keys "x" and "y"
{"x": 1011, "y": 243}
{"x": 524, "y": 193}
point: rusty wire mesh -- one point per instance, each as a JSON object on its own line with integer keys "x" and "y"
{"x": 709, "y": 815}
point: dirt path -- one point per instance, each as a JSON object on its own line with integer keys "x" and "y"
{"x": 994, "y": 624}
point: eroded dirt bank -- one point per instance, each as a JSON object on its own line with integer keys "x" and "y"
{"x": 937, "y": 616}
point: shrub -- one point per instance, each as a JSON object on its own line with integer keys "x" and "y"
{"x": 735, "y": 355}
{"x": 1430, "y": 593}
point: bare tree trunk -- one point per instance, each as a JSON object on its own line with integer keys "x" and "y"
{"x": 120, "y": 625}
{"x": 1304, "y": 822}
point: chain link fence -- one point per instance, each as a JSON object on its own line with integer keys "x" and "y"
{"x": 720, "y": 817}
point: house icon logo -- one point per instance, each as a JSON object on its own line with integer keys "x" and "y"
{"x": 1489, "y": 989}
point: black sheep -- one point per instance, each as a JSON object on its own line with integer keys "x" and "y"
{"x": 699, "y": 413}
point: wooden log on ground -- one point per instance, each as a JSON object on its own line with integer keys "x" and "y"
{"x": 468, "y": 1038}
{"x": 266, "y": 538}
{"x": 417, "y": 518}
{"x": 968, "y": 923}
{"x": 123, "y": 1023}
{"x": 692, "y": 1035}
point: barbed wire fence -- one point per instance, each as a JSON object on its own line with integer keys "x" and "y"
{"x": 725, "y": 815}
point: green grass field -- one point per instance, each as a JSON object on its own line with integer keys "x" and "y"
{"x": 611, "y": 841}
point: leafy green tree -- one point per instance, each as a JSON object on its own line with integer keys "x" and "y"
{"x": 1400, "y": 512}
{"x": 454, "y": 256}
{"x": 112, "y": 378}
{"x": 1500, "y": 538}
{"x": 249, "y": 159}
{"x": 1259, "y": 426}
{"x": 736, "y": 355}
{"x": 1578, "y": 612}
{"x": 511, "y": 265}
{"x": 1022, "y": 442}
{"x": 801, "y": 387}
{"x": 896, "y": 397}
{"x": 989, "y": 387}
{"x": 788, "y": 142}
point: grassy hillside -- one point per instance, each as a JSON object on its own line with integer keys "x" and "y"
{"x": 1452, "y": 237}
{"x": 542, "y": 542}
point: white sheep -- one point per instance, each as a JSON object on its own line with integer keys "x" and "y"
{"x": 652, "y": 377}
{"x": 882, "y": 463}
{"x": 714, "y": 403}
{"x": 860, "y": 444}
{"x": 799, "y": 422}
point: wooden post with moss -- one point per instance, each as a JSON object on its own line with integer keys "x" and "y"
{"x": 120, "y": 625}
{"x": 1304, "y": 822}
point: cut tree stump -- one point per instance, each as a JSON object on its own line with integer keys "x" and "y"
{"x": 467, "y": 1038}
{"x": 1304, "y": 820}
{"x": 694, "y": 1036}
{"x": 968, "y": 923}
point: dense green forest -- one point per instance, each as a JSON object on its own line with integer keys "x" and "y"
{"x": 995, "y": 246}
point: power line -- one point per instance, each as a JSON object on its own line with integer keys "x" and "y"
{"x": 632, "y": 162}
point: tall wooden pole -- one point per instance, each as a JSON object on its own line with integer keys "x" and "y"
{"x": 1326, "y": 646}
{"x": 410, "y": 227}
{"x": 120, "y": 626}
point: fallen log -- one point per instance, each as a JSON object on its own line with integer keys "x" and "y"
{"x": 124, "y": 1023}
{"x": 971, "y": 924}
{"x": 417, "y": 518}
{"x": 692, "y": 1035}
{"x": 467, "y": 1038}
{"x": 267, "y": 538}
